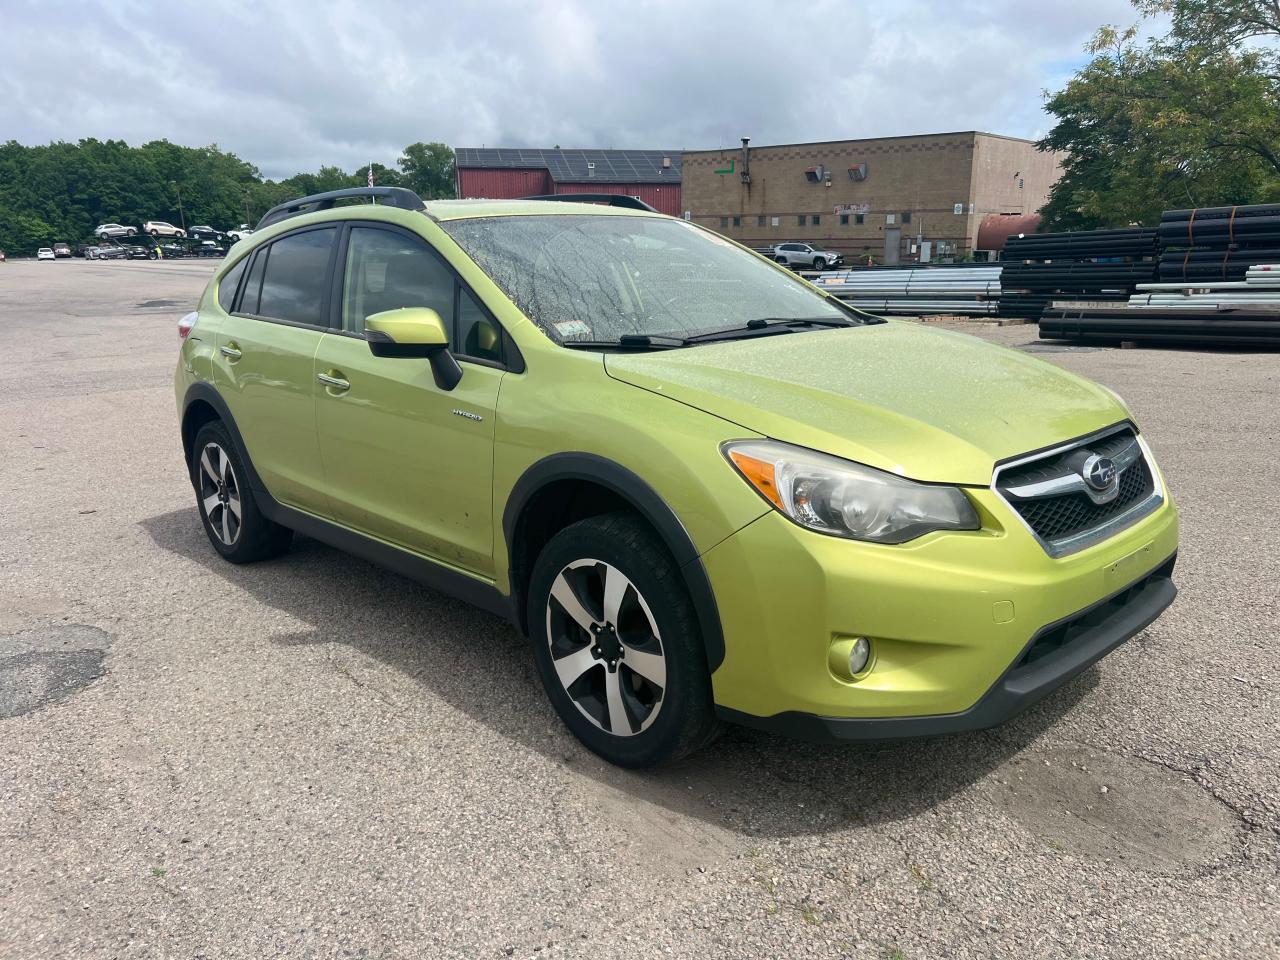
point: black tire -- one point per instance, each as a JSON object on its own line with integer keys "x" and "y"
{"x": 243, "y": 539}
{"x": 660, "y": 726}
{"x": 131, "y": 232}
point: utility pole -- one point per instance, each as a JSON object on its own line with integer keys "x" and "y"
{"x": 246, "y": 208}
{"x": 181, "y": 216}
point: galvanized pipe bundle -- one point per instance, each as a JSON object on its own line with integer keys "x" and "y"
{"x": 917, "y": 290}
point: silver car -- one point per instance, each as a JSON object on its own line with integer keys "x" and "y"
{"x": 106, "y": 231}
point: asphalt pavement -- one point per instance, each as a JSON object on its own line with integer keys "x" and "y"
{"x": 311, "y": 757}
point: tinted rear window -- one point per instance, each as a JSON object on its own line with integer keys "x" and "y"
{"x": 227, "y": 285}
{"x": 296, "y": 277}
{"x": 249, "y": 299}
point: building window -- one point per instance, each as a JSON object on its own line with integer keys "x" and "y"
{"x": 859, "y": 218}
{"x": 776, "y": 221}
{"x": 844, "y": 219}
{"x": 724, "y": 223}
{"x": 800, "y": 219}
{"x": 760, "y": 221}
{"x": 737, "y": 221}
{"x": 906, "y": 216}
{"x": 816, "y": 220}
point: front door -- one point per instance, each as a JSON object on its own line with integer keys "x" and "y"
{"x": 404, "y": 459}
{"x": 892, "y": 245}
{"x": 264, "y": 364}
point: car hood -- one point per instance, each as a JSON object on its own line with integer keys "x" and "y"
{"x": 917, "y": 401}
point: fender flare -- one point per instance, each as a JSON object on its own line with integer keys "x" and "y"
{"x": 200, "y": 390}
{"x": 651, "y": 506}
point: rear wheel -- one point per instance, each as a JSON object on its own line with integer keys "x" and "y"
{"x": 234, "y": 524}
{"x": 617, "y": 643}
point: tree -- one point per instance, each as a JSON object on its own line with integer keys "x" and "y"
{"x": 1190, "y": 118}
{"x": 428, "y": 170}
{"x": 61, "y": 191}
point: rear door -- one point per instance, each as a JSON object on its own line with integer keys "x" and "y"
{"x": 406, "y": 460}
{"x": 264, "y": 362}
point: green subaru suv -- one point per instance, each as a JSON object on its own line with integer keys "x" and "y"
{"x": 704, "y": 489}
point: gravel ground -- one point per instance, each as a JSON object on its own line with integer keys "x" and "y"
{"x": 313, "y": 758}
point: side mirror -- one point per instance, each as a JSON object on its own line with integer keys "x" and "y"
{"x": 414, "y": 332}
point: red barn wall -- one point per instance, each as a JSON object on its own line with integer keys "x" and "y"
{"x": 503, "y": 184}
{"x": 665, "y": 198}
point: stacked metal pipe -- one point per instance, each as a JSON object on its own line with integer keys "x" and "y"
{"x": 1195, "y": 311}
{"x": 918, "y": 290}
{"x": 1087, "y": 265}
{"x": 1218, "y": 243}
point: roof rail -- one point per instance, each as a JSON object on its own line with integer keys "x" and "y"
{"x": 399, "y": 197}
{"x": 611, "y": 199}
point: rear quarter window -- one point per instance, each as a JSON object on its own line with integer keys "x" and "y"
{"x": 229, "y": 283}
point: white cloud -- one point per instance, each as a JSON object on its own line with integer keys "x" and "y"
{"x": 292, "y": 85}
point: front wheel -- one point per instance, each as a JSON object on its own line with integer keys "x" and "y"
{"x": 617, "y": 643}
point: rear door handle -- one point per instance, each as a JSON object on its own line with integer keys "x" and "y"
{"x": 334, "y": 381}
{"x": 231, "y": 350}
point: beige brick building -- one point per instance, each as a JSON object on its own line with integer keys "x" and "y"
{"x": 874, "y": 197}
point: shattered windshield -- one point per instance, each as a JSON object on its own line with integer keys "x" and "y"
{"x": 600, "y": 277}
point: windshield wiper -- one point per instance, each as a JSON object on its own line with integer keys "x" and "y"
{"x": 630, "y": 341}
{"x": 769, "y": 326}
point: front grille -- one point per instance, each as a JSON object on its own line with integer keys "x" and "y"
{"x": 1055, "y": 518}
{"x": 1064, "y": 517}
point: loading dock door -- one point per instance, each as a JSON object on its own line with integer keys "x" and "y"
{"x": 892, "y": 245}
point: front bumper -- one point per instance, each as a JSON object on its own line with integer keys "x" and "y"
{"x": 1056, "y": 654}
{"x": 951, "y": 617}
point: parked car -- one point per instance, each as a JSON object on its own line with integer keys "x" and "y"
{"x": 90, "y": 252}
{"x": 2, "y": 260}
{"x": 733, "y": 503}
{"x": 45, "y": 253}
{"x": 110, "y": 252}
{"x": 109, "y": 231}
{"x": 173, "y": 251}
{"x": 797, "y": 255}
{"x": 161, "y": 228}
{"x": 203, "y": 231}
{"x": 207, "y": 248}
{"x": 136, "y": 251}
{"x": 61, "y": 250}
{"x": 240, "y": 232}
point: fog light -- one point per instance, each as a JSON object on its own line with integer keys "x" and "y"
{"x": 849, "y": 656}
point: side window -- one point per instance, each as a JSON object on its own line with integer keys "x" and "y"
{"x": 478, "y": 336}
{"x": 227, "y": 285}
{"x": 296, "y": 276}
{"x": 252, "y": 287}
{"x": 386, "y": 270}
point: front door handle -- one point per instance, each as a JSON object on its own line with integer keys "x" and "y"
{"x": 334, "y": 381}
{"x": 231, "y": 350}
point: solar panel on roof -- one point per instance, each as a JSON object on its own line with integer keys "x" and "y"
{"x": 570, "y": 166}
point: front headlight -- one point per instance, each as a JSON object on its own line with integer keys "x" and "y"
{"x": 845, "y": 499}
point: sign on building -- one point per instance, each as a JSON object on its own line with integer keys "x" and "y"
{"x": 844, "y": 209}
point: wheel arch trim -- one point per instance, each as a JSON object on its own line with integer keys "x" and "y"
{"x": 206, "y": 392}
{"x": 648, "y": 503}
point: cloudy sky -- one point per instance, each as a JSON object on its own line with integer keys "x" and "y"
{"x": 290, "y": 84}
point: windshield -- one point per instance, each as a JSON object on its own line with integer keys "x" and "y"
{"x": 583, "y": 277}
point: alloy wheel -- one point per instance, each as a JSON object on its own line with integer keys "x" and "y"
{"x": 220, "y": 494}
{"x": 606, "y": 647}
